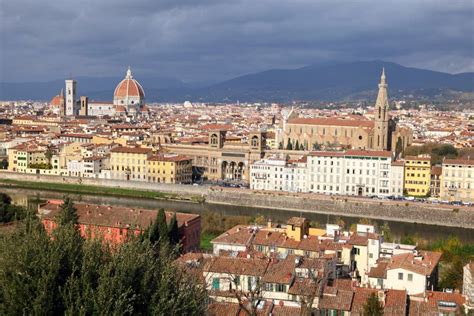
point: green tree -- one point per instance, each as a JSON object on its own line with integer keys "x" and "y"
{"x": 387, "y": 233}
{"x": 161, "y": 221}
{"x": 297, "y": 145}
{"x": 173, "y": 231}
{"x": 4, "y": 164}
{"x": 48, "y": 155}
{"x": 40, "y": 275}
{"x": 280, "y": 145}
{"x": 372, "y": 306}
{"x": 68, "y": 213}
{"x": 289, "y": 145}
{"x": 398, "y": 147}
{"x": 8, "y": 211}
{"x": 152, "y": 233}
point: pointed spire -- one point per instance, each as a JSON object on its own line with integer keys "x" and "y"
{"x": 382, "y": 77}
{"x": 129, "y": 73}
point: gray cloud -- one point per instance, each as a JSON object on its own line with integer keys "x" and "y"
{"x": 216, "y": 39}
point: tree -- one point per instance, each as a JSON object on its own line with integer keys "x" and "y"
{"x": 398, "y": 147}
{"x": 48, "y": 155}
{"x": 68, "y": 213}
{"x": 152, "y": 233}
{"x": 297, "y": 145}
{"x": 4, "y": 164}
{"x": 8, "y": 211}
{"x": 372, "y": 306}
{"x": 173, "y": 231}
{"x": 387, "y": 233}
{"x": 289, "y": 145}
{"x": 41, "y": 275}
{"x": 280, "y": 145}
{"x": 161, "y": 221}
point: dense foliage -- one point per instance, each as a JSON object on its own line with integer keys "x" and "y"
{"x": 65, "y": 274}
{"x": 439, "y": 151}
{"x": 8, "y": 211}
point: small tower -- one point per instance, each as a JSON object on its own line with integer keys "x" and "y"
{"x": 217, "y": 138}
{"x": 381, "y": 118}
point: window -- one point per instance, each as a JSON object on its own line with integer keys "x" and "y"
{"x": 410, "y": 277}
{"x": 400, "y": 275}
{"x": 215, "y": 283}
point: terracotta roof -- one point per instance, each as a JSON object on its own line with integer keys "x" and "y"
{"x": 466, "y": 162}
{"x": 370, "y": 153}
{"x": 423, "y": 264}
{"x": 131, "y": 150}
{"x": 334, "y": 298}
{"x": 172, "y": 158}
{"x": 237, "y": 266}
{"x": 296, "y": 221}
{"x": 239, "y": 235}
{"x": 429, "y": 303}
{"x": 332, "y": 122}
{"x": 112, "y": 216}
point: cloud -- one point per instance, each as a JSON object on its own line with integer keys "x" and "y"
{"x": 216, "y": 39}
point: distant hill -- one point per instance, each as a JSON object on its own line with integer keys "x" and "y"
{"x": 335, "y": 82}
{"x": 330, "y": 81}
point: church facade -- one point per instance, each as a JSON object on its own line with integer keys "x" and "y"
{"x": 355, "y": 131}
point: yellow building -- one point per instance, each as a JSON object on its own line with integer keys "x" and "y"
{"x": 297, "y": 227}
{"x": 417, "y": 175}
{"x": 457, "y": 180}
{"x": 169, "y": 169}
{"x": 26, "y": 155}
{"x": 129, "y": 163}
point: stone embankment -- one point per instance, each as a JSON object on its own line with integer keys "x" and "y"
{"x": 402, "y": 211}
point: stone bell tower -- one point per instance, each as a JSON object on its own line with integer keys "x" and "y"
{"x": 381, "y": 128}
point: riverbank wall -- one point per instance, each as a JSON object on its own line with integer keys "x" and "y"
{"x": 401, "y": 211}
{"x": 137, "y": 185}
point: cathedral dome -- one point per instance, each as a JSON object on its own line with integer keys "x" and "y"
{"x": 57, "y": 101}
{"x": 129, "y": 87}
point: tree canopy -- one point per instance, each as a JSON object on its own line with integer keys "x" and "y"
{"x": 65, "y": 274}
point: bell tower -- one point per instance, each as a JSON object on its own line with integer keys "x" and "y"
{"x": 380, "y": 141}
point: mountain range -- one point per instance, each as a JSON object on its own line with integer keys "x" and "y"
{"x": 333, "y": 81}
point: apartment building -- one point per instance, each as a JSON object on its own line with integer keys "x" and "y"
{"x": 397, "y": 178}
{"x": 169, "y": 169}
{"x": 129, "y": 163}
{"x": 417, "y": 175}
{"x": 26, "y": 155}
{"x": 278, "y": 174}
{"x": 457, "y": 180}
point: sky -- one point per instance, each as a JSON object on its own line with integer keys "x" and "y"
{"x": 213, "y": 40}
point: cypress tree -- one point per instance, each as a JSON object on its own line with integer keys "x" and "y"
{"x": 173, "y": 233}
{"x": 297, "y": 145}
{"x": 289, "y": 145}
{"x": 161, "y": 222}
{"x": 372, "y": 306}
{"x": 68, "y": 213}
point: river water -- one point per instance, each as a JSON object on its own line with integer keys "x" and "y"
{"x": 31, "y": 198}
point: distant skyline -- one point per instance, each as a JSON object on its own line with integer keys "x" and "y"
{"x": 213, "y": 40}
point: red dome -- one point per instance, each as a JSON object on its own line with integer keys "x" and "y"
{"x": 57, "y": 101}
{"x": 129, "y": 87}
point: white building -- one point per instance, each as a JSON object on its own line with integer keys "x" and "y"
{"x": 278, "y": 174}
{"x": 468, "y": 285}
{"x": 325, "y": 172}
{"x": 457, "y": 180}
{"x": 367, "y": 173}
{"x": 414, "y": 272}
{"x": 397, "y": 178}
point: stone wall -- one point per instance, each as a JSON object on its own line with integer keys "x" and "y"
{"x": 401, "y": 211}
{"x": 159, "y": 187}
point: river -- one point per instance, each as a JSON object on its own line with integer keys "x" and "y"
{"x": 31, "y": 198}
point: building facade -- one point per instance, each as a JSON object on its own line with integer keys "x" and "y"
{"x": 457, "y": 180}
{"x": 417, "y": 176}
